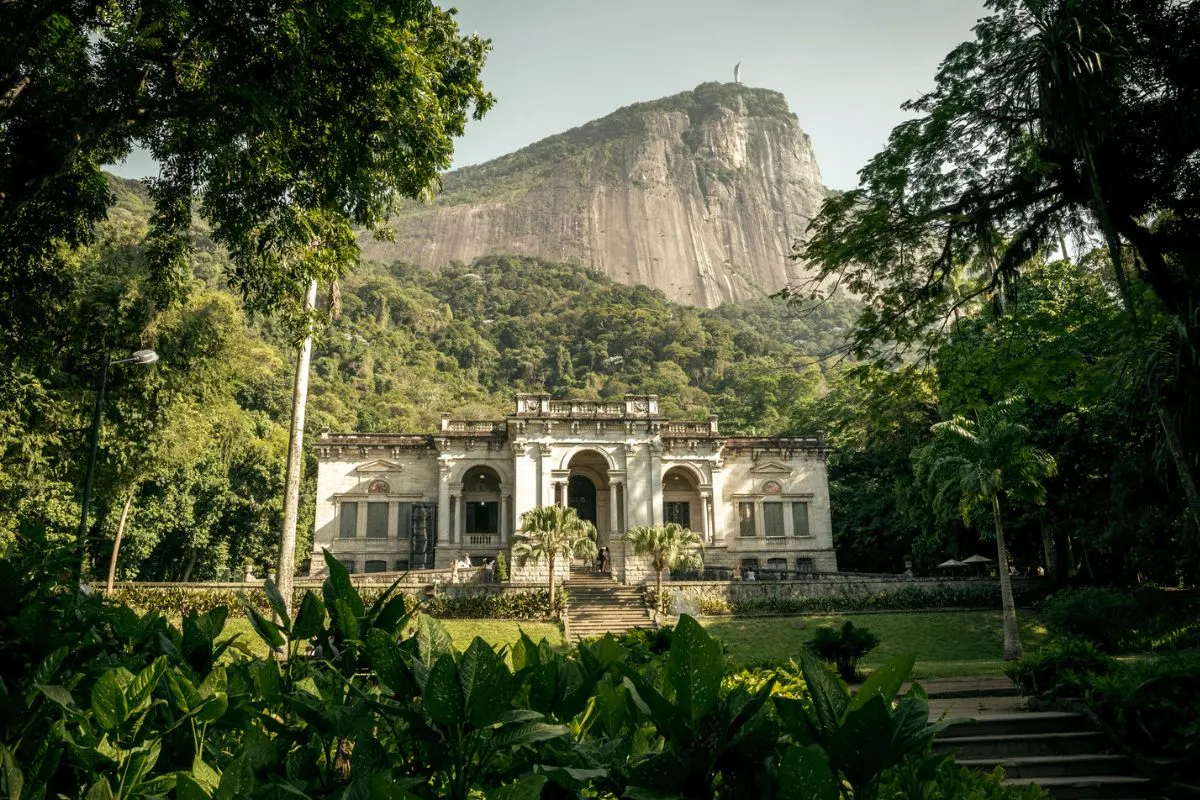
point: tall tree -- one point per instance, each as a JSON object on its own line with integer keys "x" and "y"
{"x": 552, "y": 532}
{"x": 1061, "y": 115}
{"x": 972, "y": 464}
{"x": 669, "y": 546}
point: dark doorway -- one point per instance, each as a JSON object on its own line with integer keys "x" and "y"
{"x": 423, "y": 541}
{"x": 581, "y": 496}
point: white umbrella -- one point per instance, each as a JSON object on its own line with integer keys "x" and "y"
{"x": 952, "y": 563}
{"x": 977, "y": 560}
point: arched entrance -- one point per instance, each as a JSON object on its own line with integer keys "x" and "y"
{"x": 581, "y": 496}
{"x": 481, "y": 507}
{"x": 682, "y": 501}
{"x": 587, "y": 490}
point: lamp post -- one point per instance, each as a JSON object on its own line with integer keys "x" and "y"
{"x": 138, "y": 357}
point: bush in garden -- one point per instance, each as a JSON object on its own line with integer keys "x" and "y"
{"x": 1105, "y": 617}
{"x": 1062, "y": 669}
{"x": 501, "y": 568}
{"x": 844, "y": 647}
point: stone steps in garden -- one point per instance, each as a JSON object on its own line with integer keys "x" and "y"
{"x": 1059, "y": 751}
{"x": 599, "y": 605}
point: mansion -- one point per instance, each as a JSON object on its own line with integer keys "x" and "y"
{"x": 392, "y": 502}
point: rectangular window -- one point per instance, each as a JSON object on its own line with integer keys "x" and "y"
{"x": 403, "y": 520}
{"x": 805, "y": 566}
{"x": 376, "y": 566}
{"x": 749, "y": 565}
{"x": 377, "y": 519}
{"x": 800, "y": 519}
{"x": 773, "y": 519}
{"x": 746, "y": 519}
{"x": 678, "y": 511}
{"x": 483, "y": 517}
{"x": 777, "y": 569}
{"x": 348, "y": 525}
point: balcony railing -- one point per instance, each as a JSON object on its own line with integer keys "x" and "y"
{"x": 483, "y": 539}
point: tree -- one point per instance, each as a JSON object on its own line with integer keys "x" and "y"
{"x": 972, "y": 464}
{"x": 550, "y": 533}
{"x": 669, "y": 546}
{"x": 1061, "y": 116}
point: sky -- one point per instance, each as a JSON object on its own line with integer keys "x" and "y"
{"x": 845, "y": 66}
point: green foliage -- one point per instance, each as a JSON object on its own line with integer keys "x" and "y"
{"x": 1105, "y": 617}
{"x": 1062, "y": 669}
{"x": 553, "y": 534}
{"x": 525, "y": 604}
{"x": 844, "y": 647}
{"x": 912, "y": 781}
{"x": 501, "y": 568}
{"x": 669, "y": 546}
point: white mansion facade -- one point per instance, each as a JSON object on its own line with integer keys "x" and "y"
{"x": 392, "y": 502}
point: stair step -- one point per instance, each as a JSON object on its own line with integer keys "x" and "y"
{"x": 1100, "y": 787}
{"x": 1012, "y": 746}
{"x": 1084, "y": 764}
{"x": 1020, "y": 724}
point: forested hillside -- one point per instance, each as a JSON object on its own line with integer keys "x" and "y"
{"x": 196, "y": 444}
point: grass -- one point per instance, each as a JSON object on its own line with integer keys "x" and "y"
{"x": 496, "y": 632}
{"x": 947, "y": 644}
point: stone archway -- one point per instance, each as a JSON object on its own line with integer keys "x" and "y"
{"x": 684, "y": 502}
{"x": 588, "y": 491}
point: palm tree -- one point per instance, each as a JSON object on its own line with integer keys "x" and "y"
{"x": 669, "y": 545}
{"x": 973, "y": 464}
{"x": 550, "y": 532}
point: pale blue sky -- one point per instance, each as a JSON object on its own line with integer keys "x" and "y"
{"x": 845, "y": 66}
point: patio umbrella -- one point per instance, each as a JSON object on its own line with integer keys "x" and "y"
{"x": 952, "y": 563}
{"x": 977, "y": 560}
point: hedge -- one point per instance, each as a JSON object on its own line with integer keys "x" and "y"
{"x": 906, "y": 598}
{"x": 531, "y": 604}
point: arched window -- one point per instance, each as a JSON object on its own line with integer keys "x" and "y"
{"x": 378, "y": 487}
{"x": 481, "y": 496}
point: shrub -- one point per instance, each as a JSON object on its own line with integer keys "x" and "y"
{"x": 1105, "y": 617}
{"x": 950, "y": 781}
{"x": 501, "y": 568}
{"x": 1063, "y": 669}
{"x": 844, "y": 647}
{"x": 530, "y": 604}
{"x": 1154, "y": 706}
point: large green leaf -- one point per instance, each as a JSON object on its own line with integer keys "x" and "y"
{"x": 885, "y": 681}
{"x": 695, "y": 668}
{"x": 13, "y": 779}
{"x": 267, "y": 630}
{"x": 829, "y": 695}
{"x": 527, "y": 788}
{"x": 186, "y": 788}
{"x": 100, "y": 791}
{"x": 347, "y": 621}
{"x": 389, "y": 664}
{"x": 237, "y": 780}
{"x": 442, "y": 694}
{"x": 524, "y": 653}
{"x": 486, "y": 683}
{"x": 144, "y": 682}
{"x": 278, "y": 605}
{"x": 393, "y": 617}
{"x": 527, "y": 733}
{"x": 338, "y": 587}
{"x": 862, "y": 747}
{"x": 383, "y": 786}
{"x": 110, "y": 708}
{"x": 432, "y": 639}
{"x": 805, "y": 774}
{"x": 310, "y": 620}
{"x": 58, "y": 694}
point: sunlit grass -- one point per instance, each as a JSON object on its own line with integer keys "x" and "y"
{"x": 947, "y": 644}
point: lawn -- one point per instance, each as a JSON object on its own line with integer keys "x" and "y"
{"x": 947, "y": 644}
{"x": 497, "y": 632}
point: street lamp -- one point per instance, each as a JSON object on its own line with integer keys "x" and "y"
{"x": 138, "y": 357}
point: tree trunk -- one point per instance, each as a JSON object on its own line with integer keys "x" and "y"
{"x": 1012, "y": 633}
{"x": 116, "y": 548}
{"x": 187, "y": 572}
{"x": 553, "y": 613}
{"x": 295, "y": 462}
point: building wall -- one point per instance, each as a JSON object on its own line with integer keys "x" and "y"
{"x": 625, "y": 449}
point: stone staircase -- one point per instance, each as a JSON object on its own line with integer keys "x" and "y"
{"x": 600, "y": 605}
{"x": 1059, "y": 751}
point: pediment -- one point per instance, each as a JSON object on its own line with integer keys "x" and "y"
{"x": 771, "y": 468}
{"x": 378, "y": 466}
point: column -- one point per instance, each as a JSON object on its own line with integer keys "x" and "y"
{"x": 705, "y": 522}
{"x": 547, "y": 489}
{"x": 443, "y": 512}
{"x": 525, "y": 481}
{"x": 505, "y": 533}
{"x": 636, "y": 482}
{"x": 460, "y": 519}
{"x": 612, "y": 509}
{"x": 720, "y": 505}
{"x": 560, "y": 493}
{"x": 655, "y": 510}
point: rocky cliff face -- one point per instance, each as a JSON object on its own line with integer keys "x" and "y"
{"x": 699, "y": 195}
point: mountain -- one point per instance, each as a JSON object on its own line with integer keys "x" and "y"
{"x": 700, "y": 195}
